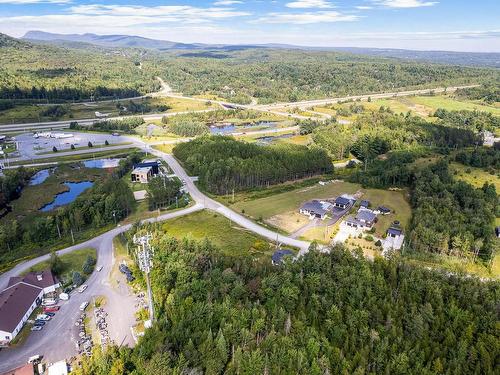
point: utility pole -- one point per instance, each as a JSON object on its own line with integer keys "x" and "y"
{"x": 144, "y": 254}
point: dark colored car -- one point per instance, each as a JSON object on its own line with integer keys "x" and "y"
{"x": 51, "y": 314}
{"x": 39, "y": 323}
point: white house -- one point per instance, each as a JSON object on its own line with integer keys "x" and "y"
{"x": 22, "y": 295}
{"x": 17, "y": 302}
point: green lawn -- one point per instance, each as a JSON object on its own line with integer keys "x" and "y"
{"x": 70, "y": 262}
{"x": 451, "y": 104}
{"x": 475, "y": 176}
{"x": 229, "y": 237}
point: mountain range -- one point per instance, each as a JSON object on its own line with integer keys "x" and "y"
{"x": 130, "y": 41}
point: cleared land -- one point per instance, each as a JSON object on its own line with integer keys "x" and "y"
{"x": 475, "y": 176}
{"x": 230, "y": 238}
{"x": 281, "y": 209}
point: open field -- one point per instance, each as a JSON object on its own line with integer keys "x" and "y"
{"x": 230, "y": 238}
{"x": 34, "y": 113}
{"x": 73, "y": 261}
{"x": 451, "y": 104}
{"x": 475, "y": 176}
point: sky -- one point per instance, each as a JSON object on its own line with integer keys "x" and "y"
{"x": 451, "y": 25}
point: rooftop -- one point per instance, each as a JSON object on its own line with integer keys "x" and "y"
{"x": 314, "y": 206}
{"x": 394, "y": 231}
{"x": 365, "y": 215}
{"x": 279, "y": 254}
{"x": 342, "y": 201}
{"x": 41, "y": 279}
{"x": 14, "y": 303}
{"x": 141, "y": 170}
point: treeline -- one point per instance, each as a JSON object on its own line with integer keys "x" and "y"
{"x": 452, "y": 217}
{"x": 473, "y": 120}
{"x": 126, "y": 125}
{"x": 488, "y": 93}
{"x": 11, "y": 185}
{"x": 333, "y": 313}
{"x": 481, "y": 157}
{"x": 224, "y": 164}
{"x": 163, "y": 192}
{"x": 132, "y": 107}
{"x": 66, "y": 93}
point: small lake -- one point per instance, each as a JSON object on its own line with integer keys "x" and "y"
{"x": 62, "y": 199}
{"x": 231, "y": 128}
{"x": 102, "y": 163}
{"x": 40, "y": 176}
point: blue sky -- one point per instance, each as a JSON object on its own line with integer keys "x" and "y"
{"x": 456, "y": 25}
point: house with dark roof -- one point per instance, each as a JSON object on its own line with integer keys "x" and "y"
{"x": 43, "y": 279}
{"x": 17, "y": 302}
{"x": 366, "y": 217}
{"x": 342, "y": 203}
{"x": 394, "y": 232}
{"x": 383, "y": 210}
{"x": 364, "y": 204}
{"x": 316, "y": 209}
{"x": 277, "y": 257}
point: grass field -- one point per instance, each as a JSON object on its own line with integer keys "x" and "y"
{"x": 70, "y": 262}
{"x": 451, "y": 104}
{"x": 33, "y": 113}
{"x": 230, "y": 238}
{"x": 475, "y": 176}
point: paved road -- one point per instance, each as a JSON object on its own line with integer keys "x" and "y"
{"x": 311, "y": 103}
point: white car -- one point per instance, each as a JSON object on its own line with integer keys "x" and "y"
{"x": 37, "y": 328}
{"x": 99, "y": 269}
{"x": 83, "y": 306}
{"x": 82, "y": 288}
{"x": 43, "y": 317}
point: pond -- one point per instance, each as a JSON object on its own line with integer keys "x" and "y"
{"x": 102, "y": 163}
{"x": 231, "y": 128}
{"x": 62, "y": 199}
{"x": 40, "y": 176}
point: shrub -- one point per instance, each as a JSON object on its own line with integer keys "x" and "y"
{"x": 378, "y": 243}
{"x": 54, "y": 149}
{"x": 77, "y": 278}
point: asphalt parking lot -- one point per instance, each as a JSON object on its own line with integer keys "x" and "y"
{"x": 30, "y": 147}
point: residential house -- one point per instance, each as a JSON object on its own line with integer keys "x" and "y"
{"x": 142, "y": 174}
{"x": 364, "y": 204}
{"x": 366, "y": 217}
{"x": 316, "y": 209}
{"x": 394, "y": 232}
{"x": 382, "y": 210}
{"x": 342, "y": 203}
{"x": 393, "y": 241}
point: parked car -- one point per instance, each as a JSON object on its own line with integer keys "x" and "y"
{"x": 35, "y": 358}
{"x": 130, "y": 277}
{"x": 36, "y": 328}
{"x": 99, "y": 269}
{"x": 82, "y": 288}
{"x": 39, "y": 323}
{"x": 49, "y": 302}
{"x": 43, "y": 317}
{"x": 83, "y": 306}
{"x": 64, "y": 296}
{"x": 47, "y": 309}
{"x": 124, "y": 269}
{"x": 51, "y": 314}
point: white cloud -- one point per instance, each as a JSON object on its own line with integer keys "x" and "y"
{"x": 363, "y": 7}
{"x": 21, "y": 2}
{"x": 310, "y": 4}
{"x": 307, "y": 18}
{"x": 227, "y": 2}
{"x": 405, "y": 3}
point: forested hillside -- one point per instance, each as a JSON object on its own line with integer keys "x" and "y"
{"x": 291, "y": 75}
{"x": 323, "y": 314}
{"x": 42, "y": 72}
{"x": 48, "y": 72}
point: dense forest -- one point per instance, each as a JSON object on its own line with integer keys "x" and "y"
{"x": 333, "y": 313}
{"x": 109, "y": 200}
{"x": 452, "y": 217}
{"x": 224, "y": 164}
{"x": 59, "y": 73}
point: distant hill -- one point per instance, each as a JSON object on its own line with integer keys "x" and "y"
{"x": 109, "y": 40}
{"x": 7, "y": 41}
{"x": 127, "y": 41}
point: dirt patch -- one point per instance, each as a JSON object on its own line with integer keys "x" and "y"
{"x": 289, "y": 222}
